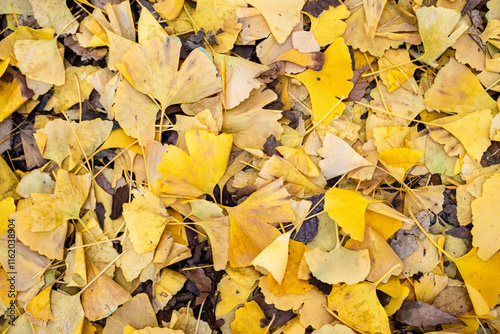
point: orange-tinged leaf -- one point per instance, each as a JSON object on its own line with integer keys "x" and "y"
{"x": 197, "y": 173}
{"x": 481, "y": 279}
{"x": 291, "y": 282}
{"x": 250, "y": 231}
{"x": 347, "y": 208}
{"x": 331, "y": 83}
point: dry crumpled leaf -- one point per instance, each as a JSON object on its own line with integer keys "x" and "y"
{"x": 202, "y": 168}
{"x": 422, "y": 314}
{"x": 51, "y": 210}
{"x": 327, "y": 86}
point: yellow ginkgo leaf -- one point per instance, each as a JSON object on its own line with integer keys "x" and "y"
{"x": 391, "y": 137}
{"x": 340, "y": 265}
{"x": 358, "y": 306}
{"x": 169, "y": 284}
{"x": 118, "y": 138}
{"x": 439, "y": 28}
{"x": 384, "y": 225}
{"x": 148, "y": 27}
{"x": 54, "y": 14}
{"x": 248, "y": 319}
{"x": 486, "y": 232}
{"x": 339, "y": 157}
{"x": 373, "y": 12}
{"x": 348, "y": 208}
{"x": 457, "y": 90}
{"x": 146, "y": 218}
{"x": 103, "y": 296}
{"x": 300, "y": 159}
{"x": 197, "y": 173}
{"x": 13, "y": 94}
{"x": 64, "y": 139}
{"x": 281, "y": 16}
{"x": 75, "y": 89}
{"x": 152, "y": 68}
{"x": 239, "y": 78}
{"x": 40, "y": 60}
{"x": 251, "y": 124}
{"x": 471, "y": 129}
{"x": 39, "y": 306}
{"x": 331, "y": 83}
{"x": 250, "y": 230}
{"x": 399, "y": 160}
{"x": 217, "y": 230}
{"x": 381, "y": 256}
{"x": 21, "y": 33}
{"x": 168, "y": 9}
{"x": 328, "y": 26}
{"x": 76, "y": 274}
{"x": 291, "y": 282}
{"x": 233, "y": 293}
{"x": 67, "y": 312}
{"x": 51, "y": 210}
{"x": 215, "y": 15}
{"x": 394, "y": 77}
{"x": 273, "y": 259}
{"x": 481, "y": 279}
{"x": 7, "y": 207}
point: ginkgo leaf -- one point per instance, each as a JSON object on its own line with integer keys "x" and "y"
{"x": 358, "y": 306}
{"x": 457, "y": 90}
{"x": 137, "y": 312}
{"x": 486, "y": 232}
{"x": 146, "y": 218}
{"x": 291, "y": 282}
{"x": 217, "y": 230}
{"x": 40, "y": 60}
{"x": 439, "y": 28}
{"x": 250, "y": 231}
{"x": 382, "y": 257}
{"x": 248, "y": 319}
{"x": 21, "y": 33}
{"x": 300, "y": 159}
{"x": 75, "y": 89}
{"x": 67, "y": 313}
{"x": 331, "y": 83}
{"x": 391, "y": 137}
{"x": 214, "y": 15}
{"x": 103, "y": 296}
{"x": 135, "y": 112}
{"x": 328, "y": 26}
{"x": 51, "y": 210}
{"x": 339, "y": 157}
{"x": 148, "y": 27}
{"x": 167, "y": 9}
{"x": 39, "y": 306}
{"x": 12, "y": 96}
{"x": 471, "y": 129}
{"x": 169, "y": 284}
{"x": 340, "y": 265}
{"x": 62, "y": 139}
{"x": 250, "y": 124}
{"x": 201, "y": 169}
{"x": 239, "y": 78}
{"x": 7, "y": 207}
{"x": 152, "y": 68}
{"x": 75, "y": 261}
{"x": 281, "y": 16}
{"x": 273, "y": 259}
{"x": 399, "y": 160}
{"x": 232, "y": 293}
{"x": 398, "y": 76}
{"x": 348, "y": 208}
{"x": 373, "y": 12}
{"x": 54, "y": 14}
{"x": 480, "y": 278}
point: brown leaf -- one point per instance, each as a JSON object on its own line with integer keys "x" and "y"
{"x": 422, "y": 314}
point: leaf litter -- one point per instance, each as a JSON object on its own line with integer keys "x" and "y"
{"x": 236, "y": 166}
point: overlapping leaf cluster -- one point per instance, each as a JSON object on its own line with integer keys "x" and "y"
{"x": 294, "y": 166}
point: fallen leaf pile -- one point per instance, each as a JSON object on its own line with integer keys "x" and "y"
{"x": 249, "y": 166}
